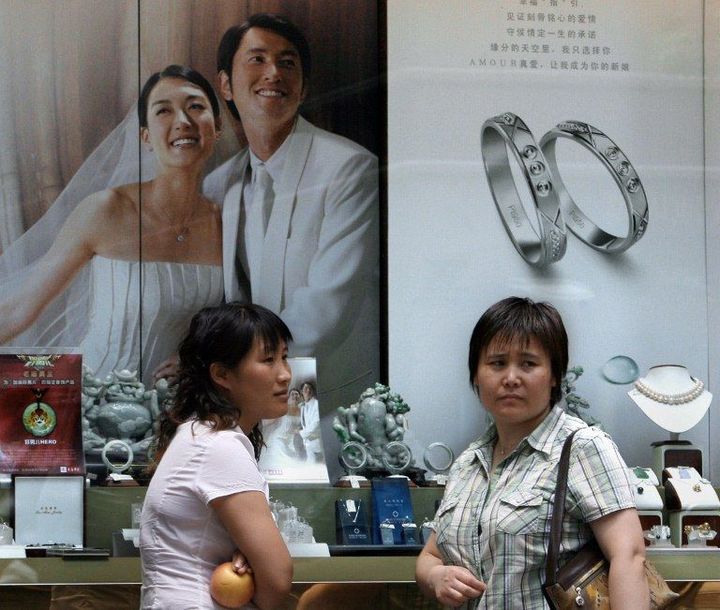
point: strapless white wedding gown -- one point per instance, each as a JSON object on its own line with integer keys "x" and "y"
{"x": 125, "y": 328}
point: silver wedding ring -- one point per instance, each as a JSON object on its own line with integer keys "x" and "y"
{"x": 622, "y": 171}
{"x": 504, "y": 134}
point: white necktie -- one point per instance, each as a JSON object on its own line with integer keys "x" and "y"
{"x": 256, "y": 218}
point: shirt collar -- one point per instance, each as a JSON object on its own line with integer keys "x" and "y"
{"x": 488, "y": 438}
{"x": 483, "y": 444}
{"x": 541, "y": 439}
{"x": 275, "y": 164}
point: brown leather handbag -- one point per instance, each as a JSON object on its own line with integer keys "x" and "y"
{"x": 583, "y": 581}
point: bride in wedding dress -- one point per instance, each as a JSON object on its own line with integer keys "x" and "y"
{"x": 131, "y": 263}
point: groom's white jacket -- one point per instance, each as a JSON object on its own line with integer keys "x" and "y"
{"x": 320, "y": 259}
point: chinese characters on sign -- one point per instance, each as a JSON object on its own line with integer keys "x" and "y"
{"x": 40, "y": 420}
{"x": 556, "y": 35}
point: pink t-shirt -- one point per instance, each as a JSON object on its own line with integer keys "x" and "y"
{"x": 181, "y": 538}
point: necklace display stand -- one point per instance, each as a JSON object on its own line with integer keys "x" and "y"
{"x": 675, "y": 401}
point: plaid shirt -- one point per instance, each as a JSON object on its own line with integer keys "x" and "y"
{"x": 497, "y": 524}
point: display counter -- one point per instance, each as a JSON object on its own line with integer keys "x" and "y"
{"x": 109, "y": 509}
{"x": 347, "y": 582}
{"x": 673, "y": 565}
{"x": 31, "y": 582}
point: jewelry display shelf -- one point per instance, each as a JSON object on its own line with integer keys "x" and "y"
{"x": 126, "y": 570}
{"x": 109, "y": 509}
{"x": 674, "y": 565}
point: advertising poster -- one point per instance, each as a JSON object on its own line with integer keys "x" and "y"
{"x": 40, "y": 416}
{"x": 293, "y": 450}
{"x": 712, "y": 196}
{"x": 98, "y": 252}
{"x": 612, "y": 92}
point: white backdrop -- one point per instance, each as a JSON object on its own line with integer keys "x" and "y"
{"x": 638, "y": 76}
{"x": 712, "y": 197}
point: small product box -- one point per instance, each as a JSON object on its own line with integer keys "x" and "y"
{"x": 351, "y": 522}
{"x": 391, "y": 506}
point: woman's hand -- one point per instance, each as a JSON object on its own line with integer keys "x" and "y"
{"x": 453, "y": 585}
{"x": 240, "y": 564}
{"x": 249, "y": 522}
{"x": 450, "y": 585}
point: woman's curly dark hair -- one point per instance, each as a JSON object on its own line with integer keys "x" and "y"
{"x": 224, "y": 334}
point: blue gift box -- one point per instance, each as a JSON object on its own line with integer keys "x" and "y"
{"x": 391, "y": 504}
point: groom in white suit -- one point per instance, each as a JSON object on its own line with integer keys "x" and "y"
{"x": 300, "y": 211}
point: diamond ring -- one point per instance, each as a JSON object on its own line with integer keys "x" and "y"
{"x": 507, "y": 134}
{"x": 622, "y": 171}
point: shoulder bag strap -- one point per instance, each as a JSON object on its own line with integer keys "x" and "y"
{"x": 551, "y": 566}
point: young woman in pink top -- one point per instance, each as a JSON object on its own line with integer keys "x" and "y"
{"x": 207, "y": 502}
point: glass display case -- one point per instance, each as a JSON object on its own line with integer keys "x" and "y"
{"x": 319, "y": 582}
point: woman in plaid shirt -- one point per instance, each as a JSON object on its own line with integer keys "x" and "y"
{"x": 492, "y": 527}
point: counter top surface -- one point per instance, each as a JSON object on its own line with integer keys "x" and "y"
{"x": 677, "y": 565}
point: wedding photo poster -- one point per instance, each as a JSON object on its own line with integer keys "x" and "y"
{"x": 630, "y": 74}
{"x": 293, "y": 450}
{"x": 69, "y": 131}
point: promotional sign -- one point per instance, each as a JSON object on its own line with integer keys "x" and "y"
{"x": 550, "y": 149}
{"x": 351, "y": 522}
{"x": 40, "y": 414}
{"x": 391, "y": 510}
{"x": 49, "y": 510}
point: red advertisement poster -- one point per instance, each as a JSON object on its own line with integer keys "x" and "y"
{"x": 40, "y": 414}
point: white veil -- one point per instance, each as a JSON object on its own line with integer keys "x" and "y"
{"x": 119, "y": 159}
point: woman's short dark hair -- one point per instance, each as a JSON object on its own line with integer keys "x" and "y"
{"x": 232, "y": 39}
{"x": 224, "y": 334}
{"x": 177, "y": 71}
{"x": 519, "y": 319}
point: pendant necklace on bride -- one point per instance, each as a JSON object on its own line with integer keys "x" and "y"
{"x": 183, "y": 231}
{"x": 184, "y": 225}
{"x": 182, "y": 228}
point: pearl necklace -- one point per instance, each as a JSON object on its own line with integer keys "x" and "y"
{"x": 671, "y": 399}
